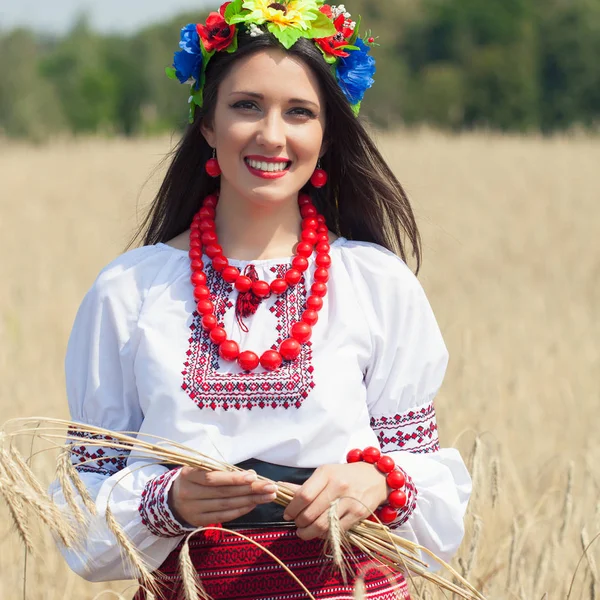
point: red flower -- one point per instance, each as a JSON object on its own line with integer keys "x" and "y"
{"x": 326, "y": 10}
{"x": 331, "y": 45}
{"x": 216, "y": 34}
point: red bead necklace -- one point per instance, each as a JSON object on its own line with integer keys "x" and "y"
{"x": 203, "y": 240}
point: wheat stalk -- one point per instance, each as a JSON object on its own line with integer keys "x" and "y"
{"x": 568, "y": 503}
{"x": 336, "y": 543}
{"x": 474, "y": 457}
{"x": 18, "y": 514}
{"x": 427, "y": 595}
{"x": 542, "y": 569}
{"x": 360, "y": 590}
{"x": 595, "y": 582}
{"x": 192, "y": 586}
{"x": 475, "y": 467}
{"x": 22, "y": 491}
{"x": 374, "y": 539}
{"x": 83, "y": 492}
{"x": 495, "y": 480}
{"x": 64, "y": 479}
{"x": 470, "y": 562}
{"x": 512, "y": 557}
{"x": 129, "y": 551}
{"x": 25, "y": 473}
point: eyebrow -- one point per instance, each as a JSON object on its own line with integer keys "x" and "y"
{"x": 261, "y": 97}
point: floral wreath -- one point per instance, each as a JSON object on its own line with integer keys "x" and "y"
{"x": 330, "y": 27}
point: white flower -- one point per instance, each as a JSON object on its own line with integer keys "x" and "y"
{"x": 255, "y": 30}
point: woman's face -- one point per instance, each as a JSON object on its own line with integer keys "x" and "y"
{"x": 268, "y": 127}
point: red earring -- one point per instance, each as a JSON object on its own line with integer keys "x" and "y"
{"x": 212, "y": 165}
{"x": 319, "y": 177}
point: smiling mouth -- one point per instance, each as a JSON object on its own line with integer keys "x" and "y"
{"x": 268, "y": 167}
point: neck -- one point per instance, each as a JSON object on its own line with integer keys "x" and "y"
{"x": 254, "y": 231}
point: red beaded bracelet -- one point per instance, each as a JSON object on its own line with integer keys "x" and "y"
{"x": 395, "y": 479}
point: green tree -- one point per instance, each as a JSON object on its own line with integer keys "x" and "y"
{"x": 438, "y": 97}
{"x": 29, "y": 106}
{"x": 569, "y": 75}
{"x": 493, "y": 44}
{"x": 505, "y": 64}
{"x": 87, "y": 88}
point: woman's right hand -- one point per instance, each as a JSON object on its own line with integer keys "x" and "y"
{"x": 199, "y": 498}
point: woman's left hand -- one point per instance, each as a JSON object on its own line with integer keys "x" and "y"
{"x": 359, "y": 486}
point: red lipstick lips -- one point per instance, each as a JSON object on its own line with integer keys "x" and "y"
{"x": 263, "y": 174}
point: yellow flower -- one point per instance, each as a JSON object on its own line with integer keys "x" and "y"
{"x": 294, "y": 13}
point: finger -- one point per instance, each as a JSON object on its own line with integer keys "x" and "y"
{"x": 233, "y": 491}
{"x": 319, "y": 506}
{"x": 312, "y": 487}
{"x": 219, "y": 478}
{"x": 221, "y": 516}
{"x": 318, "y": 529}
{"x": 225, "y": 504}
{"x": 350, "y": 519}
{"x": 292, "y": 487}
{"x": 191, "y": 492}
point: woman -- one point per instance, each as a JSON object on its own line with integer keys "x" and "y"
{"x": 289, "y": 367}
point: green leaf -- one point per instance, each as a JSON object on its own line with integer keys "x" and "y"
{"x": 356, "y": 108}
{"x": 171, "y": 72}
{"x": 192, "y": 113}
{"x": 348, "y": 47}
{"x": 239, "y": 18}
{"x": 206, "y": 56}
{"x": 354, "y": 37}
{"x": 287, "y": 36}
{"x": 233, "y": 9}
{"x": 321, "y": 27}
{"x": 198, "y": 96}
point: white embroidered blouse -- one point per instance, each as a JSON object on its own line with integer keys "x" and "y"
{"x": 137, "y": 360}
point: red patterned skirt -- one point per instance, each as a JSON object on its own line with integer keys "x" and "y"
{"x": 232, "y": 568}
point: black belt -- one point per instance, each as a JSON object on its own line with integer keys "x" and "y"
{"x": 268, "y": 515}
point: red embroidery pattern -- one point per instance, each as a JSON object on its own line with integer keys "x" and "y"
{"x": 232, "y": 567}
{"x": 285, "y": 388}
{"x": 414, "y": 431}
{"x": 92, "y": 457}
{"x": 154, "y": 507}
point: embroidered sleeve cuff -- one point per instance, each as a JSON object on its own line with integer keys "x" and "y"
{"x": 414, "y": 430}
{"x": 411, "y": 502}
{"x": 154, "y": 507}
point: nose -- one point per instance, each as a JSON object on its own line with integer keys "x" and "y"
{"x": 271, "y": 132}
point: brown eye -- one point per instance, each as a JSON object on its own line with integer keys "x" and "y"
{"x": 303, "y": 112}
{"x": 244, "y": 104}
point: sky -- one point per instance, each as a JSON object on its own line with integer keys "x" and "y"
{"x": 106, "y": 15}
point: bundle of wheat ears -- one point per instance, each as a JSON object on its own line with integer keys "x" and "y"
{"x": 26, "y": 497}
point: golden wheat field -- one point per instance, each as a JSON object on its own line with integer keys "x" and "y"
{"x": 511, "y": 231}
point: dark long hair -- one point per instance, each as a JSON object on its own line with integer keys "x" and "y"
{"x": 362, "y": 200}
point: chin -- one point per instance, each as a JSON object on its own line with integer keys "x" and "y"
{"x": 264, "y": 196}
{"x": 270, "y": 192}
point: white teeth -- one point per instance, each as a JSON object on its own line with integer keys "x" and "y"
{"x": 267, "y": 167}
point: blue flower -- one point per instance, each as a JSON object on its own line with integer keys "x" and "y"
{"x": 188, "y": 61}
{"x": 355, "y": 72}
